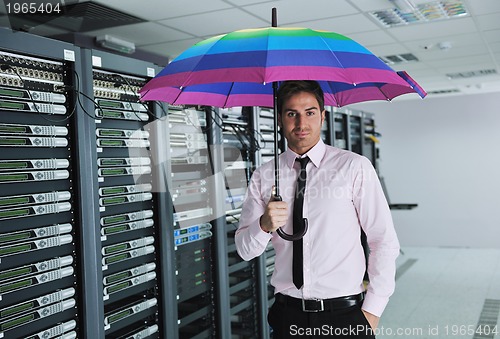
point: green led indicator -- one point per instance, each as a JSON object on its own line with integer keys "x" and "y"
{"x": 14, "y": 237}
{"x": 13, "y": 177}
{"x": 114, "y": 219}
{"x": 115, "y": 229}
{"x": 11, "y": 93}
{"x": 117, "y": 277}
{"x": 14, "y": 213}
{"x": 111, "y": 114}
{"x": 114, "y": 190}
{"x": 11, "y": 105}
{"x": 111, "y": 143}
{"x": 110, "y": 104}
{"x": 17, "y": 309}
{"x": 14, "y": 201}
{"x": 16, "y": 285}
{"x": 13, "y": 165}
{"x": 15, "y": 249}
{"x": 110, "y": 133}
{"x": 116, "y": 258}
{"x": 114, "y": 249}
{"x": 114, "y": 201}
{"x": 16, "y": 322}
{"x": 123, "y": 314}
{"x": 15, "y": 273}
{"x": 112, "y": 162}
{"x": 113, "y": 171}
{"x": 12, "y": 142}
{"x": 12, "y": 129}
{"x": 118, "y": 287}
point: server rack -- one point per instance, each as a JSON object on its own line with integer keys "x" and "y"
{"x": 369, "y": 146}
{"x": 40, "y": 216}
{"x": 263, "y": 119}
{"x": 326, "y": 129}
{"x": 127, "y": 210}
{"x": 191, "y": 186}
{"x": 338, "y": 127}
{"x": 354, "y": 128}
{"x": 240, "y": 145}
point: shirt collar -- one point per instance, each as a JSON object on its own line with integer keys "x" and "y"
{"x": 315, "y": 154}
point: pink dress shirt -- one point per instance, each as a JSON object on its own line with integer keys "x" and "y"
{"x": 342, "y": 194}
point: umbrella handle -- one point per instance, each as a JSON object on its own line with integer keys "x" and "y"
{"x": 295, "y": 236}
{"x": 291, "y": 237}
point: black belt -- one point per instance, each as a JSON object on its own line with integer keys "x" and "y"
{"x": 319, "y": 305}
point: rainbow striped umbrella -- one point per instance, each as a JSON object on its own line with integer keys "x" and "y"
{"x": 236, "y": 69}
{"x": 243, "y": 68}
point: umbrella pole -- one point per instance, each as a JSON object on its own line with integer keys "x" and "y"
{"x": 276, "y": 149}
{"x": 274, "y": 23}
{"x": 281, "y": 233}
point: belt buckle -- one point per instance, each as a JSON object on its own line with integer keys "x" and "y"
{"x": 305, "y": 309}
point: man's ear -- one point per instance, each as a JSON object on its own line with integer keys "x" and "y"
{"x": 323, "y": 114}
{"x": 279, "y": 121}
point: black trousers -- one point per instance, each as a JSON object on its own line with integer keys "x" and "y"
{"x": 292, "y": 322}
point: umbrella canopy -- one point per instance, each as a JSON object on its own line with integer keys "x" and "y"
{"x": 240, "y": 65}
{"x": 231, "y": 94}
{"x": 237, "y": 69}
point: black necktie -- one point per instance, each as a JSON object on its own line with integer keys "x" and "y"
{"x": 298, "y": 224}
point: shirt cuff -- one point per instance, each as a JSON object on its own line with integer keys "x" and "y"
{"x": 374, "y": 304}
{"x": 258, "y": 233}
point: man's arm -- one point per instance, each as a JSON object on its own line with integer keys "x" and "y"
{"x": 250, "y": 239}
{"x": 376, "y": 220}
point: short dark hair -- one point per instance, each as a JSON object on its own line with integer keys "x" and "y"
{"x": 289, "y": 88}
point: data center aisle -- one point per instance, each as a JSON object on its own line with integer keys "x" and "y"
{"x": 444, "y": 293}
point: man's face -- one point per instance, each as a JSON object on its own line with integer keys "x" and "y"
{"x": 301, "y": 121}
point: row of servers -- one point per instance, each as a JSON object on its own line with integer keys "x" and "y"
{"x": 117, "y": 218}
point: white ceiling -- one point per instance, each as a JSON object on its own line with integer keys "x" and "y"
{"x": 174, "y": 25}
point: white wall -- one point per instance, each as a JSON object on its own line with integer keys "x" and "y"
{"x": 444, "y": 154}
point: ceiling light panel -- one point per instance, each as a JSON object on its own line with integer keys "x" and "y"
{"x": 471, "y": 74}
{"x": 420, "y": 13}
{"x": 399, "y": 58}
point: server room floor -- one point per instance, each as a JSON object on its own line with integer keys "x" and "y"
{"x": 444, "y": 293}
